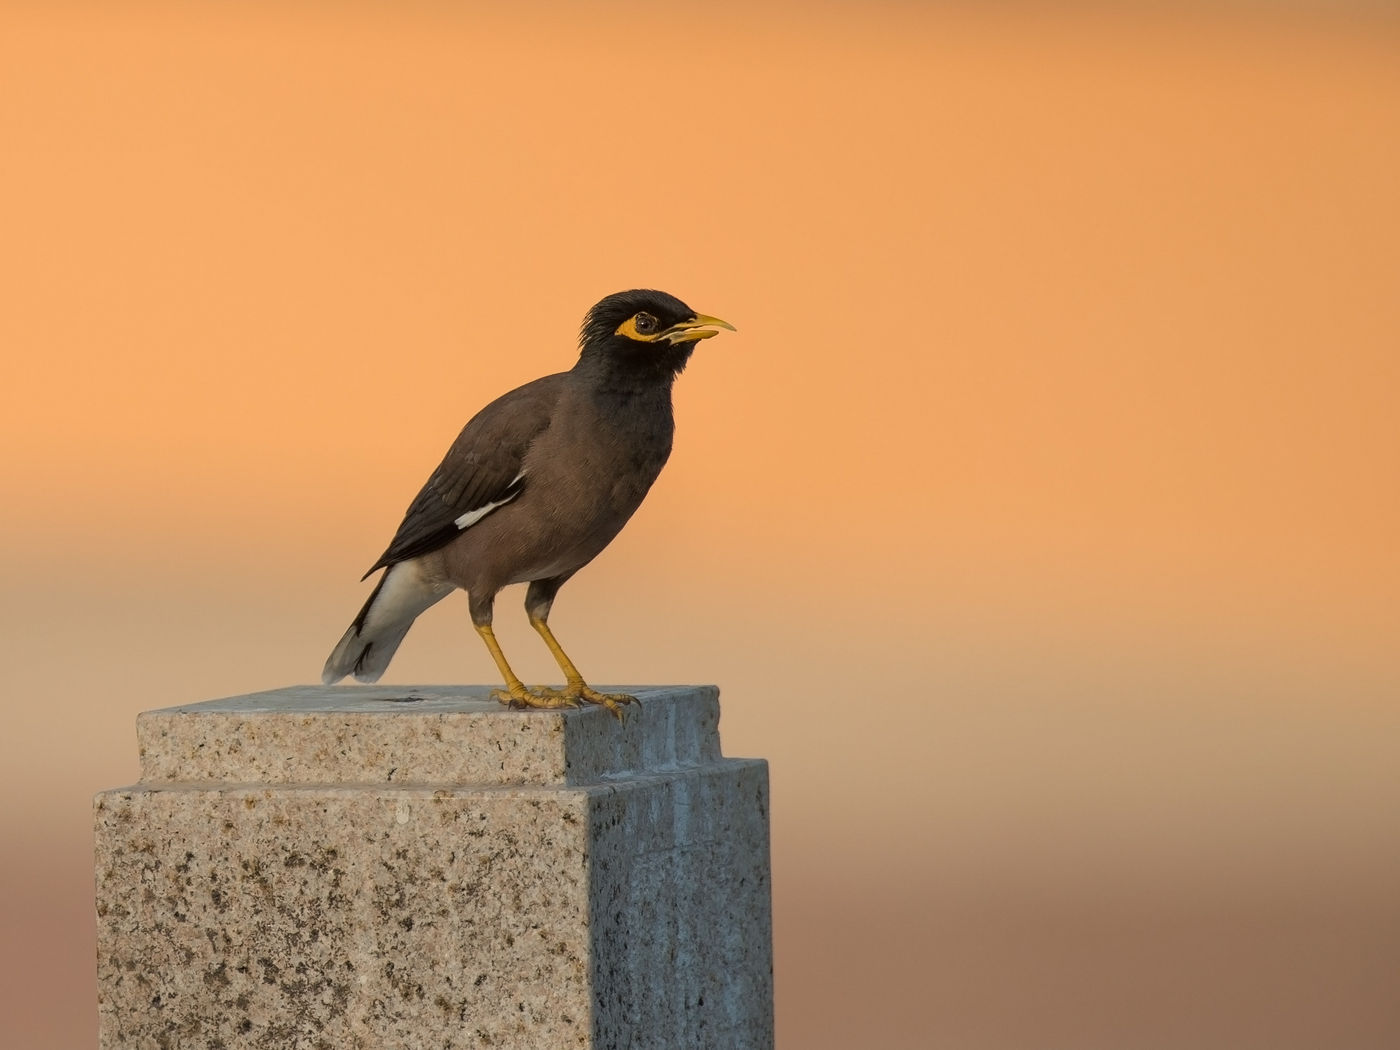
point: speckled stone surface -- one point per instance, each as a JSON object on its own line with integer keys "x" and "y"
{"x": 421, "y": 735}
{"x": 338, "y": 868}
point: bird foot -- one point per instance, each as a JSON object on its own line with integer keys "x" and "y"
{"x": 575, "y": 693}
{"x": 542, "y": 699}
{"x": 545, "y": 698}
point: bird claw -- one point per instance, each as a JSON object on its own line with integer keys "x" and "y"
{"x": 614, "y": 702}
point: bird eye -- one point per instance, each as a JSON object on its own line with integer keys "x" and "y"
{"x": 645, "y": 323}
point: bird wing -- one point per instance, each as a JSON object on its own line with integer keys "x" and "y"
{"x": 481, "y": 471}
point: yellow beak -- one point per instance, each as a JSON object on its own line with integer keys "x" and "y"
{"x": 701, "y": 326}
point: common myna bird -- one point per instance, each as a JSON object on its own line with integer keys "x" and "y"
{"x": 535, "y": 486}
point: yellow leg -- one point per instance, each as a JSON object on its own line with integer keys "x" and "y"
{"x": 515, "y": 694}
{"x": 575, "y": 688}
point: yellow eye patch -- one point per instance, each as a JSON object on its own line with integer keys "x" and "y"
{"x": 642, "y": 327}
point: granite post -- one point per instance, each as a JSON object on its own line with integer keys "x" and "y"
{"x": 419, "y": 867}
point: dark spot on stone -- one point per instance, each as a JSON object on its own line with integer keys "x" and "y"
{"x": 410, "y": 699}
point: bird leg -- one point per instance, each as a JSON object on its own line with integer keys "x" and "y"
{"x": 575, "y": 688}
{"x": 515, "y": 694}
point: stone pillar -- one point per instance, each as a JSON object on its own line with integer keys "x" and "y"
{"x": 399, "y": 868}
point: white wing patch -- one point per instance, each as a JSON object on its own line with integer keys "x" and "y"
{"x": 471, "y": 517}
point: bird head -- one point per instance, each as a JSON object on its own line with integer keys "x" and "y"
{"x": 645, "y": 325}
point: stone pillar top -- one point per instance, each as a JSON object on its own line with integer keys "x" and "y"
{"x": 448, "y": 735}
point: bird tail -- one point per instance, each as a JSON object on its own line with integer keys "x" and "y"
{"x": 369, "y": 643}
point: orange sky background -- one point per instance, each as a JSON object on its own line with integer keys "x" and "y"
{"x": 1039, "y": 523}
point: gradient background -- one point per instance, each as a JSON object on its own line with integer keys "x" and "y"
{"x": 1039, "y": 524}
